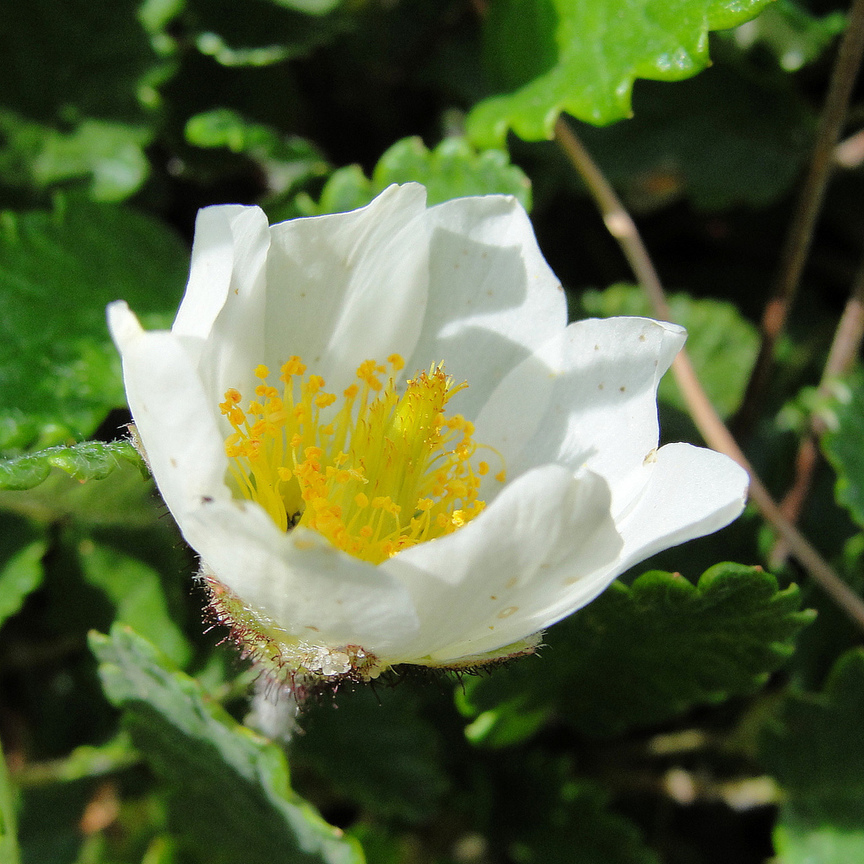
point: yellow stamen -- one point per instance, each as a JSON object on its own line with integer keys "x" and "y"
{"x": 375, "y": 475}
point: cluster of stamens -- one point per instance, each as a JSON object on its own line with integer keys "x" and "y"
{"x": 375, "y": 475}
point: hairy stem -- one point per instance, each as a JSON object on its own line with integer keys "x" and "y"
{"x": 703, "y": 413}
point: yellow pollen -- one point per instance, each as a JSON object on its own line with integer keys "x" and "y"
{"x": 375, "y": 474}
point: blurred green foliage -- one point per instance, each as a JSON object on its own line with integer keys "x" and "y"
{"x": 669, "y": 721}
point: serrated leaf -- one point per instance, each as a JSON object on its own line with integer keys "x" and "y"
{"x": 377, "y": 749}
{"x": 584, "y": 57}
{"x": 721, "y": 342}
{"x": 230, "y": 796}
{"x": 815, "y": 750}
{"x": 452, "y": 170}
{"x": 843, "y": 445}
{"x": 8, "y": 831}
{"x": 116, "y": 497}
{"x": 90, "y": 460}
{"x": 643, "y": 654}
{"x": 59, "y": 372}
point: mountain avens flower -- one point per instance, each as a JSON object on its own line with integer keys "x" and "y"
{"x": 387, "y": 446}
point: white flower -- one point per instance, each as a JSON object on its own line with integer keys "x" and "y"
{"x": 394, "y": 557}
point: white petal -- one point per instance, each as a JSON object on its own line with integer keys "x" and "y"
{"x": 228, "y": 345}
{"x": 174, "y": 417}
{"x": 350, "y": 286}
{"x": 492, "y": 298}
{"x": 586, "y": 399}
{"x": 217, "y": 229}
{"x": 532, "y": 557}
{"x": 304, "y": 585}
{"x": 692, "y": 492}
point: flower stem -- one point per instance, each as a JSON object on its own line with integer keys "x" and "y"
{"x": 703, "y": 413}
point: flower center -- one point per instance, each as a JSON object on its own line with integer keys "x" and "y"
{"x": 374, "y": 475}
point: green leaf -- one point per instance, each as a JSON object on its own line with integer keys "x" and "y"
{"x": 843, "y": 444}
{"x": 310, "y": 7}
{"x": 452, "y": 170}
{"x": 83, "y": 762}
{"x": 108, "y": 156}
{"x": 115, "y": 492}
{"x": 59, "y": 372}
{"x": 264, "y": 33}
{"x": 378, "y": 749}
{"x": 583, "y": 58}
{"x": 721, "y": 342}
{"x": 724, "y": 138}
{"x": 816, "y": 751}
{"x": 230, "y": 797}
{"x": 91, "y": 460}
{"x": 135, "y": 589}
{"x": 22, "y": 546}
{"x": 8, "y": 831}
{"x": 791, "y": 33}
{"x": 643, "y": 654}
{"x": 286, "y": 161}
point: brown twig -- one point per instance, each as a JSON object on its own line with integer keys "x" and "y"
{"x": 703, "y": 413}
{"x": 841, "y": 357}
{"x": 800, "y": 235}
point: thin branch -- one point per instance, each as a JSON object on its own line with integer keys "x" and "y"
{"x": 708, "y": 422}
{"x": 799, "y": 238}
{"x": 841, "y": 357}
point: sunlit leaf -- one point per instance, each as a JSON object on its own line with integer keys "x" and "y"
{"x": 116, "y": 494}
{"x": 583, "y": 58}
{"x": 452, "y": 170}
{"x": 91, "y": 460}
